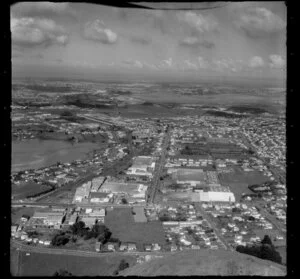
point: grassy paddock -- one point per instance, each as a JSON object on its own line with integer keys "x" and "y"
{"x": 46, "y": 264}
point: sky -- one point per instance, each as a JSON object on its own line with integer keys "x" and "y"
{"x": 229, "y": 40}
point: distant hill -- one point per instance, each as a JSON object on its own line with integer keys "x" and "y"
{"x": 206, "y": 262}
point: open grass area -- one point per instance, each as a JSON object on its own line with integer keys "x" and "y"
{"x": 251, "y": 177}
{"x": 17, "y": 212}
{"x": 122, "y": 225}
{"x": 28, "y": 189}
{"x": 238, "y": 181}
{"x": 37, "y": 264}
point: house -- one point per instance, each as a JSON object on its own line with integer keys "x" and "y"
{"x": 123, "y": 246}
{"x": 147, "y": 247}
{"x": 98, "y": 245}
{"x": 173, "y": 247}
{"x": 111, "y": 247}
{"x": 156, "y": 247}
{"x": 47, "y": 242}
{"x": 131, "y": 247}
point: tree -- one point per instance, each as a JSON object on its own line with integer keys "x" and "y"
{"x": 267, "y": 240}
{"x": 123, "y": 265}
{"x": 62, "y": 273}
{"x": 60, "y": 239}
{"x": 124, "y": 201}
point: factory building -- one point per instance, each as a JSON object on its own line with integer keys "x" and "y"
{"x": 216, "y": 194}
{"x": 142, "y": 165}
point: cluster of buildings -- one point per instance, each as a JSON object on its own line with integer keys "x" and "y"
{"x": 142, "y": 166}
{"x": 108, "y": 190}
{"x": 194, "y": 233}
{"x": 239, "y": 223}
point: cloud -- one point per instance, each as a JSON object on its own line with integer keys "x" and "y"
{"x": 256, "y": 62}
{"x": 276, "y": 61}
{"x": 257, "y": 22}
{"x": 28, "y": 32}
{"x": 203, "y": 64}
{"x": 96, "y": 31}
{"x": 134, "y": 63}
{"x": 42, "y": 9}
{"x": 194, "y": 42}
{"x": 189, "y": 66}
{"x": 141, "y": 40}
{"x": 198, "y": 21}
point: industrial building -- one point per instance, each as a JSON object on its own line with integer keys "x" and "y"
{"x": 100, "y": 197}
{"x": 216, "y": 194}
{"x": 82, "y": 192}
{"x": 142, "y": 165}
{"x": 190, "y": 176}
{"x": 133, "y": 190}
{"x": 48, "y": 218}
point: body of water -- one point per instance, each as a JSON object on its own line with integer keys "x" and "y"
{"x": 35, "y": 153}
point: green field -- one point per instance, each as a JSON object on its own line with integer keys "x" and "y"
{"x": 27, "y": 189}
{"x": 239, "y": 180}
{"x": 37, "y": 264}
{"x": 122, "y": 225}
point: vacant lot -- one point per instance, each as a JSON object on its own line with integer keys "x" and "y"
{"x": 46, "y": 264}
{"x": 28, "y": 189}
{"x": 251, "y": 177}
{"x": 122, "y": 225}
{"x": 17, "y": 212}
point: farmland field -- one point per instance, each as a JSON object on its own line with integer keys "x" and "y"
{"x": 122, "y": 225}
{"x": 37, "y": 264}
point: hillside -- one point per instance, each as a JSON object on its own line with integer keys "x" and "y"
{"x": 206, "y": 262}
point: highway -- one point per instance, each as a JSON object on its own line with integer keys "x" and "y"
{"x": 159, "y": 167}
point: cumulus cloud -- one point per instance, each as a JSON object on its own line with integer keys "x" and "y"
{"x": 134, "y": 63}
{"x": 276, "y": 61}
{"x": 198, "y": 21}
{"x": 195, "y": 42}
{"x": 203, "y": 64}
{"x": 97, "y": 31}
{"x": 28, "y": 31}
{"x": 257, "y": 22}
{"x": 42, "y": 9}
{"x": 256, "y": 62}
{"x": 189, "y": 66}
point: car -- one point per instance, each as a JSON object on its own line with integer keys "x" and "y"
{"x": 27, "y": 254}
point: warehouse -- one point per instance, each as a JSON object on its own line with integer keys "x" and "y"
{"x": 190, "y": 176}
{"x": 134, "y": 190}
{"x": 49, "y": 218}
{"x": 142, "y": 165}
{"x": 216, "y": 194}
{"x": 100, "y": 197}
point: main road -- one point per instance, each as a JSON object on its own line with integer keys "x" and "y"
{"x": 159, "y": 166}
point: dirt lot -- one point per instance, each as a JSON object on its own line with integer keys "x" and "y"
{"x": 46, "y": 264}
{"x": 122, "y": 226}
